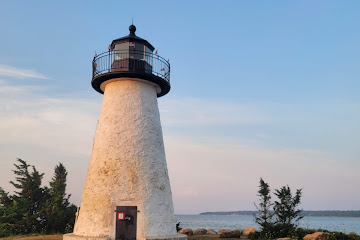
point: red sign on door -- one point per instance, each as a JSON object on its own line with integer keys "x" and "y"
{"x": 120, "y": 216}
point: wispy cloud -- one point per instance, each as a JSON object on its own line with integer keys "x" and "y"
{"x": 48, "y": 121}
{"x": 45, "y": 130}
{"x": 207, "y": 112}
{"x": 10, "y": 71}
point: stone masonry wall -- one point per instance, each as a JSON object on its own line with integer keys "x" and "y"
{"x": 127, "y": 165}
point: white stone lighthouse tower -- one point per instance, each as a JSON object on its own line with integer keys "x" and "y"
{"x": 127, "y": 191}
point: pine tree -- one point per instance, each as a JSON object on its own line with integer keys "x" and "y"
{"x": 28, "y": 201}
{"x": 286, "y": 212}
{"x": 282, "y": 220}
{"x": 265, "y": 218}
{"x": 59, "y": 213}
{"x": 33, "y": 209}
{"x": 6, "y": 214}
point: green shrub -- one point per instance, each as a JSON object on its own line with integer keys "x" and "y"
{"x": 260, "y": 236}
{"x": 278, "y": 219}
{"x": 353, "y": 236}
{"x": 300, "y": 233}
{"x": 6, "y": 230}
{"x": 340, "y": 235}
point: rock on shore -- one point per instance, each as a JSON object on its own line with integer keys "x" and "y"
{"x": 223, "y": 233}
{"x": 317, "y": 236}
{"x": 200, "y": 231}
{"x": 187, "y": 231}
{"x": 224, "y": 230}
{"x": 230, "y": 234}
{"x": 211, "y": 232}
{"x": 248, "y": 230}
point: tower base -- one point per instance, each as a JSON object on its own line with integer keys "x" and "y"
{"x": 71, "y": 236}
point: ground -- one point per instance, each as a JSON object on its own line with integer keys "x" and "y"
{"x": 39, "y": 237}
{"x": 209, "y": 237}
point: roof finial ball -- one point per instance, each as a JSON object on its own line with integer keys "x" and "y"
{"x": 132, "y": 29}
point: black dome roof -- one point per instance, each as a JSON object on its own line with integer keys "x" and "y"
{"x": 132, "y": 38}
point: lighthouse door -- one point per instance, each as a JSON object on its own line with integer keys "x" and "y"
{"x": 126, "y": 223}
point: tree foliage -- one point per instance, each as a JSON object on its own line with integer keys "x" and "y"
{"x": 58, "y": 209}
{"x": 32, "y": 208}
{"x": 286, "y": 212}
{"x": 278, "y": 219}
{"x": 26, "y": 209}
{"x": 265, "y": 218}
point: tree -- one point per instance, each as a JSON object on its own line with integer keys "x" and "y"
{"x": 33, "y": 209}
{"x": 59, "y": 213}
{"x": 29, "y": 200}
{"x": 278, "y": 219}
{"x": 265, "y": 218}
{"x": 5, "y": 214}
{"x": 22, "y": 213}
{"x": 286, "y": 212}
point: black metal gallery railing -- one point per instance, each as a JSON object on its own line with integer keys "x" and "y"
{"x": 131, "y": 61}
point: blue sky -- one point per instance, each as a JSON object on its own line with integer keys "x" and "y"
{"x": 259, "y": 89}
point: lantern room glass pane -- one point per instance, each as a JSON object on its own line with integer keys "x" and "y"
{"x": 148, "y": 55}
{"x": 121, "y": 51}
{"x": 136, "y": 50}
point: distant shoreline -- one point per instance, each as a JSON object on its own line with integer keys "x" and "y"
{"x": 305, "y": 213}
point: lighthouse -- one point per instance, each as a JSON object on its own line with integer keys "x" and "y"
{"x": 127, "y": 192}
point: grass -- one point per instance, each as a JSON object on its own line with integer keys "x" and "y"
{"x": 35, "y": 237}
{"x": 60, "y": 237}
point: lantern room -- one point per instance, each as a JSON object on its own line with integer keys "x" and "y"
{"x": 131, "y": 57}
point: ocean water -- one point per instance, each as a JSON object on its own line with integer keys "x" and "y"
{"x": 341, "y": 224}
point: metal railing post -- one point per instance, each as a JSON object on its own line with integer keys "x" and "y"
{"x": 109, "y": 67}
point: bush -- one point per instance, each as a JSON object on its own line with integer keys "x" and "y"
{"x": 300, "y": 233}
{"x": 353, "y": 236}
{"x": 5, "y": 230}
